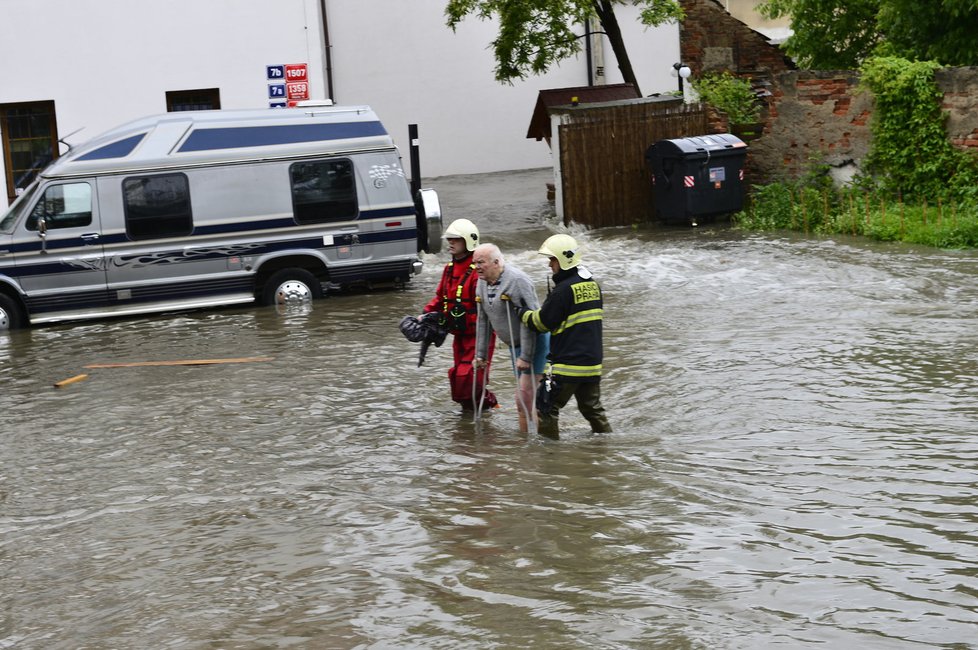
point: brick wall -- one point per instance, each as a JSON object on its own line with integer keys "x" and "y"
{"x": 812, "y": 117}
{"x": 809, "y": 116}
{"x": 712, "y": 40}
{"x": 960, "y": 87}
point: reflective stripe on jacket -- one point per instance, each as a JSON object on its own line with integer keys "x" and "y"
{"x": 572, "y": 313}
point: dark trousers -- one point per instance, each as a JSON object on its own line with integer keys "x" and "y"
{"x": 588, "y": 397}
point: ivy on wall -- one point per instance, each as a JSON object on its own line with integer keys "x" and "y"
{"x": 910, "y": 154}
{"x": 915, "y": 187}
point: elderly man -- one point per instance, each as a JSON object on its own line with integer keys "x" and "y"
{"x": 499, "y": 286}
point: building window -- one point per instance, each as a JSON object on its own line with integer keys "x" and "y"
{"x": 30, "y": 142}
{"x": 323, "y": 191}
{"x": 157, "y": 207}
{"x": 202, "y": 99}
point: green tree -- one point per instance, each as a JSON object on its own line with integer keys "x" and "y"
{"x": 841, "y": 34}
{"x": 536, "y": 34}
{"x": 945, "y": 31}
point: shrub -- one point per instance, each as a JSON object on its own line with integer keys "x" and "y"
{"x": 730, "y": 94}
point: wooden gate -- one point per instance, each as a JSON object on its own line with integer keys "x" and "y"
{"x": 604, "y": 177}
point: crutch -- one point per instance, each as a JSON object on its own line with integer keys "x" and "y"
{"x": 531, "y": 426}
{"x": 477, "y": 406}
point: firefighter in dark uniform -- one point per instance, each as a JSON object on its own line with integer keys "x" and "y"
{"x": 455, "y": 299}
{"x": 572, "y": 313}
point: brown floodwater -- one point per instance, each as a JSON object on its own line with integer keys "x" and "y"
{"x": 794, "y": 462}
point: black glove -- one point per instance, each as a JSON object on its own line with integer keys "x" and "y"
{"x": 518, "y": 311}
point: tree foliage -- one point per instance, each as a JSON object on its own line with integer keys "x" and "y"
{"x": 945, "y": 31}
{"x": 841, "y": 34}
{"x": 537, "y": 34}
{"x": 827, "y": 34}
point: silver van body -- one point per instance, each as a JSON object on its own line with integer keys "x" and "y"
{"x": 205, "y": 208}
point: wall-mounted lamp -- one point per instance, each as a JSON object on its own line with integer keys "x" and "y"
{"x": 683, "y": 72}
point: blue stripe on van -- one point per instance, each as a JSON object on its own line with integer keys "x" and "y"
{"x": 179, "y": 291}
{"x": 177, "y": 254}
{"x": 54, "y": 267}
{"x": 405, "y": 213}
{"x": 312, "y": 242}
{"x": 288, "y": 222}
{"x": 388, "y": 213}
{"x": 56, "y": 244}
{"x": 237, "y": 137}
{"x": 118, "y": 149}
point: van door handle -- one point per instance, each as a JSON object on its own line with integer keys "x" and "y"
{"x": 90, "y": 236}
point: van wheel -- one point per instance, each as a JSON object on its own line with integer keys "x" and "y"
{"x": 11, "y": 314}
{"x": 291, "y": 287}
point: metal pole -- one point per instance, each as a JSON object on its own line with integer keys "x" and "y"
{"x": 587, "y": 49}
{"x": 328, "y": 47}
{"x": 415, "y": 160}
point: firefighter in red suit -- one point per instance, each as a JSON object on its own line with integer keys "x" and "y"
{"x": 455, "y": 299}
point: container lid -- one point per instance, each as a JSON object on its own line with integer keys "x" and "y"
{"x": 699, "y": 144}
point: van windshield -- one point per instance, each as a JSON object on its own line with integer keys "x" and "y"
{"x": 9, "y": 219}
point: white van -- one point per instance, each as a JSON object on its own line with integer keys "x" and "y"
{"x": 205, "y": 208}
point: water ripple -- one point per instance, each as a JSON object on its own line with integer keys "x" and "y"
{"x": 793, "y": 464}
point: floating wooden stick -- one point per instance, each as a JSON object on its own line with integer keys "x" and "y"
{"x": 185, "y": 362}
{"x": 70, "y": 380}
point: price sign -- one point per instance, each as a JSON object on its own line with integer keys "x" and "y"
{"x": 297, "y": 90}
{"x": 274, "y": 72}
{"x": 296, "y": 72}
{"x": 276, "y": 91}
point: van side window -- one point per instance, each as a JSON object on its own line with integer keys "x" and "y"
{"x": 323, "y": 191}
{"x": 63, "y": 206}
{"x": 157, "y": 206}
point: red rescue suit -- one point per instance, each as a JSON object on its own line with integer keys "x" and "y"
{"x": 455, "y": 299}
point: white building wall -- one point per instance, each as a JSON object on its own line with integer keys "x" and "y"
{"x": 108, "y": 61}
{"x": 104, "y": 62}
{"x": 413, "y": 69}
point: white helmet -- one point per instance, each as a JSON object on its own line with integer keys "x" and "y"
{"x": 564, "y": 248}
{"x": 463, "y": 229}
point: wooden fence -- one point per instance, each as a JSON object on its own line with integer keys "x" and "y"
{"x": 604, "y": 177}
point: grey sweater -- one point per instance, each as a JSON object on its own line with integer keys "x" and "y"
{"x": 495, "y": 315}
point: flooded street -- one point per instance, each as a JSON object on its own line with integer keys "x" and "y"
{"x": 794, "y": 462}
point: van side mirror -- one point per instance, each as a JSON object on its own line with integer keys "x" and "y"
{"x": 430, "y": 214}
